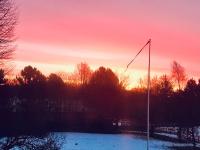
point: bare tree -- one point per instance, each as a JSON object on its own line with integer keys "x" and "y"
{"x": 155, "y": 86}
{"x": 8, "y": 21}
{"x": 142, "y": 83}
{"x": 48, "y": 142}
{"x": 178, "y": 74}
{"x": 84, "y": 72}
{"x": 166, "y": 87}
{"x": 124, "y": 80}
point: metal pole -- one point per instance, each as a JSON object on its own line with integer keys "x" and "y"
{"x": 148, "y": 97}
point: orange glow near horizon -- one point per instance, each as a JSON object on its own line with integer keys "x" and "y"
{"x": 55, "y": 36}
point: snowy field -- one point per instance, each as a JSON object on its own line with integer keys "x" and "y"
{"x": 90, "y": 141}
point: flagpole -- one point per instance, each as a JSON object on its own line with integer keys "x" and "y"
{"x": 148, "y": 97}
{"x": 148, "y": 86}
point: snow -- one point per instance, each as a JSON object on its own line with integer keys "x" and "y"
{"x": 168, "y": 135}
{"x": 93, "y": 141}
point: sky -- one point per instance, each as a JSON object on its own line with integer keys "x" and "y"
{"x": 56, "y": 35}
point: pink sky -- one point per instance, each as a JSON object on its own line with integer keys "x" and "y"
{"x": 54, "y": 35}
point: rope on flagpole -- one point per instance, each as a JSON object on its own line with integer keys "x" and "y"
{"x": 132, "y": 61}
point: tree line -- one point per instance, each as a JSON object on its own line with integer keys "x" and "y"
{"x": 101, "y": 95}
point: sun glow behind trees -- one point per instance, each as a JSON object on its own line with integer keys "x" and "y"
{"x": 133, "y": 78}
{"x": 60, "y": 59}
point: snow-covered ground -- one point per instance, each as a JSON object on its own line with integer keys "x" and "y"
{"x": 168, "y": 135}
{"x": 91, "y": 141}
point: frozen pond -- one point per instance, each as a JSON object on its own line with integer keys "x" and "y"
{"x": 92, "y": 141}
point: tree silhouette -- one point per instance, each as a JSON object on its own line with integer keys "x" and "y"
{"x": 166, "y": 88}
{"x": 178, "y": 74}
{"x": 191, "y": 87}
{"x": 155, "y": 85}
{"x": 8, "y": 21}
{"x": 32, "y": 88}
{"x": 30, "y": 75}
{"x": 104, "y": 92}
{"x": 104, "y": 78}
{"x": 2, "y": 77}
{"x": 55, "y": 81}
{"x": 84, "y": 73}
{"x": 55, "y": 92}
{"x": 191, "y": 111}
{"x": 124, "y": 81}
